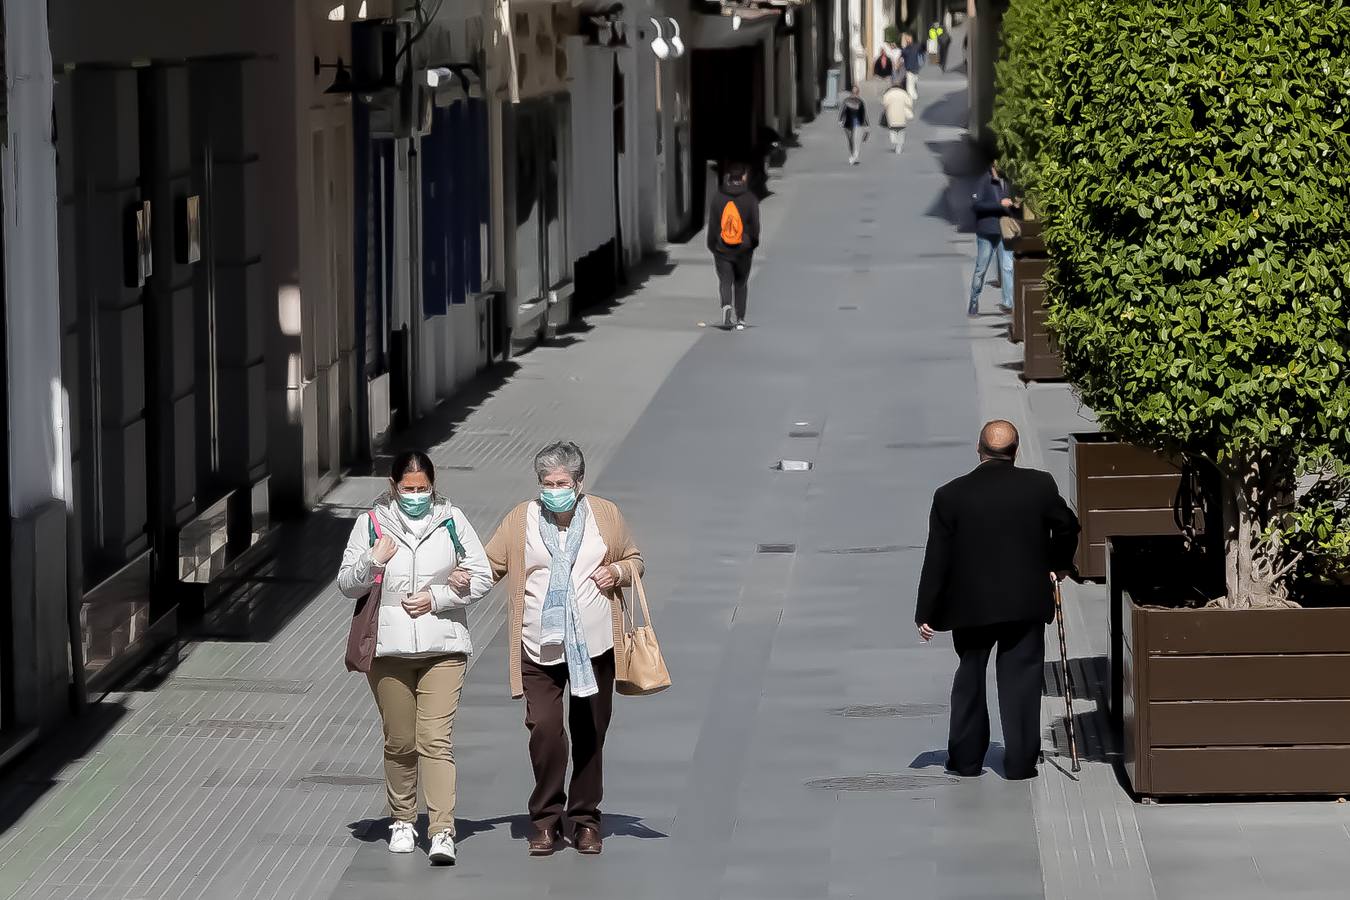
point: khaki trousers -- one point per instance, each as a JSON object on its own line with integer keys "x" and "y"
{"x": 417, "y": 700}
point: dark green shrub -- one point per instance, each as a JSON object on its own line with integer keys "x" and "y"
{"x": 1030, "y": 84}
{"x": 1196, "y": 182}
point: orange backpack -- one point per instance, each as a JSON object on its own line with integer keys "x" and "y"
{"x": 733, "y": 230}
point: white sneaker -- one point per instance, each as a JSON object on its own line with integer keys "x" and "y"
{"x": 442, "y": 850}
{"x": 402, "y": 837}
{"x": 740, "y": 326}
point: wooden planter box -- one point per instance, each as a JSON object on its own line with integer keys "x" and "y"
{"x": 1117, "y": 489}
{"x": 1040, "y": 356}
{"x": 1029, "y": 264}
{"x": 1028, "y": 287}
{"x": 1226, "y": 702}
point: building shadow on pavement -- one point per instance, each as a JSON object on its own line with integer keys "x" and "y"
{"x": 655, "y": 265}
{"x": 373, "y": 831}
{"x": 952, "y": 111}
{"x": 962, "y": 162}
{"x": 26, "y": 782}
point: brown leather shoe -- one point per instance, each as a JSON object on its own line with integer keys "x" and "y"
{"x": 543, "y": 841}
{"x": 587, "y": 840}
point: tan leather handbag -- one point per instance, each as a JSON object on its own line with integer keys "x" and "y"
{"x": 647, "y": 673}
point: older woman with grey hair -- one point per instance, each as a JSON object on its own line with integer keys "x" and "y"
{"x": 565, "y": 556}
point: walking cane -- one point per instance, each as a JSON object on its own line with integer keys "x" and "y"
{"x": 1068, "y": 680}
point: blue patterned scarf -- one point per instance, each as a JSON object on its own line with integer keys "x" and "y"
{"x": 560, "y": 619}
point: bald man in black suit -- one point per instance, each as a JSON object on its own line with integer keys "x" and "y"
{"x": 997, "y": 537}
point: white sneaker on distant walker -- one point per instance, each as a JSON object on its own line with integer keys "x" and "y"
{"x": 402, "y": 837}
{"x": 442, "y": 849}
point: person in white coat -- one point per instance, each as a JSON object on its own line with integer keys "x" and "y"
{"x": 899, "y": 109}
{"x": 431, "y": 566}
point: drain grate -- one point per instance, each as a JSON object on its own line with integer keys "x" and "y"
{"x": 239, "y": 685}
{"x": 902, "y": 711}
{"x": 888, "y": 548}
{"x": 935, "y": 444}
{"x": 457, "y": 468}
{"x": 776, "y": 548}
{"x": 881, "y": 782}
{"x": 261, "y": 725}
{"x": 847, "y": 308}
{"x": 803, "y": 434}
{"x": 793, "y": 465}
{"x": 343, "y": 780}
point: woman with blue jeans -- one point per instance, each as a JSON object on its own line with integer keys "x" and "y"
{"x": 991, "y": 203}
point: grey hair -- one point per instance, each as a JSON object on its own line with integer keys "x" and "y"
{"x": 560, "y": 455}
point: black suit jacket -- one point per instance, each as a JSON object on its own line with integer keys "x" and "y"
{"x": 994, "y": 536}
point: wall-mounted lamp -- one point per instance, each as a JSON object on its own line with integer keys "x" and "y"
{"x": 342, "y": 80}
{"x": 606, "y": 28}
{"x": 659, "y": 45}
{"x": 338, "y": 13}
{"x": 787, "y": 17}
{"x": 364, "y": 11}
{"x": 676, "y": 45}
{"x": 736, "y": 22}
{"x": 453, "y": 82}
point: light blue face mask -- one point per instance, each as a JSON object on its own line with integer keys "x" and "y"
{"x": 415, "y": 505}
{"x": 558, "y": 500}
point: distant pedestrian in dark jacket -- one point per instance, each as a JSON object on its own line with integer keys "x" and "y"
{"x": 991, "y": 204}
{"x": 853, "y": 119}
{"x": 733, "y": 235}
{"x": 997, "y": 536}
{"x": 912, "y": 54}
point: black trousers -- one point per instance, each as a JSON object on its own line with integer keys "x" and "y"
{"x": 1020, "y": 670}
{"x": 733, "y": 276}
{"x": 588, "y": 719}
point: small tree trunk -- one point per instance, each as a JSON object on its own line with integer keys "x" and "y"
{"x": 1252, "y": 571}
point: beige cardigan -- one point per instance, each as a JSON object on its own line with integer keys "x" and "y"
{"x": 506, "y": 554}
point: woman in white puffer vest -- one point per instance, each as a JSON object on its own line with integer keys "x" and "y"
{"x": 431, "y": 566}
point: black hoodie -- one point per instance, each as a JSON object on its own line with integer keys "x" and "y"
{"x": 747, "y": 204}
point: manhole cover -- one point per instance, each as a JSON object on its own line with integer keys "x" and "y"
{"x": 793, "y": 465}
{"x": 343, "y": 780}
{"x": 776, "y": 548}
{"x": 893, "y": 782}
{"x": 888, "y": 548}
{"x": 901, "y": 711}
{"x": 239, "y": 685}
{"x": 803, "y": 434}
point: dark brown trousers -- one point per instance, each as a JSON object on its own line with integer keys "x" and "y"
{"x": 588, "y": 720}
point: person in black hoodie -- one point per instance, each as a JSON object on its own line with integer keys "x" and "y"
{"x": 991, "y": 203}
{"x": 733, "y": 235}
{"x": 853, "y": 119}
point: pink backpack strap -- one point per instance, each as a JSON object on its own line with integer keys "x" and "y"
{"x": 375, "y": 530}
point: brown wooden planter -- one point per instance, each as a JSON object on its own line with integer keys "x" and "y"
{"x": 1117, "y": 489}
{"x": 1028, "y": 287}
{"x": 1029, "y": 264}
{"x": 1226, "y": 702}
{"x": 1040, "y": 355}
